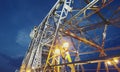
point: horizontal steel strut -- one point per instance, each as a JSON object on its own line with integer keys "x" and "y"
{"x": 83, "y": 40}
{"x": 101, "y": 59}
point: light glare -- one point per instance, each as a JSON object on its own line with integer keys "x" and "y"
{"x": 28, "y": 70}
{"x": 57, "y": 51}
{"x": 109, "y": 63}
{"x": 66, "y": 45}
{"x": 116, "y": 60}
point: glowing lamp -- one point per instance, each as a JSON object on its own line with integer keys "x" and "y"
{"x": 109, "y": 63}
{"x": 65, "y": 45}
{"x": 57, "y": 51}
{"x": 28, "y": 70}
{"x": 116, "y": 60}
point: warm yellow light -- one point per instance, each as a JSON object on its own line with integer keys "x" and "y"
{"x": 57, "y": 51}
{"x": 65, "y": 45}
{"x": 116, "y": 60}
{"x": 109, "y": 63}
{"x": 67, "y": 52}
{"x": 28, "y": 70}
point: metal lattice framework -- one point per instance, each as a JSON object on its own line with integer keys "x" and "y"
{"x": 71, "y": 36}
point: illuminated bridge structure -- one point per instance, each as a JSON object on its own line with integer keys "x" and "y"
{"x": 76, "y": 36}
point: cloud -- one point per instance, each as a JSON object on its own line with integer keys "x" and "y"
{"x": 23, "y": 38}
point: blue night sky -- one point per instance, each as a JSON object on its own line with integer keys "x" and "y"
{"x": 17, "y": 19}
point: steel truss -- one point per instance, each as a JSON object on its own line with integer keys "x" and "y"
{"x": 69, "y": 22}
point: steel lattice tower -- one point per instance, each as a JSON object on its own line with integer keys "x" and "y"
{"x": 71, "y": 36}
